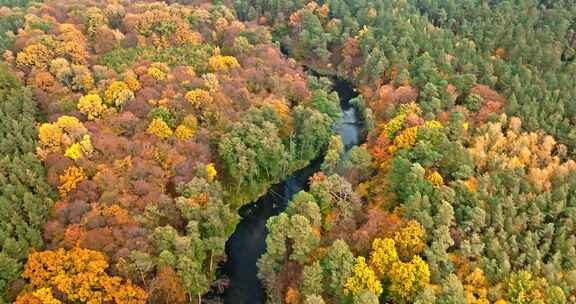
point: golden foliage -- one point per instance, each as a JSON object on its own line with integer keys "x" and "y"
{"x": 394, "y": 125}
{"x": 363, "y": 278}
{"x": 71, "y": 125}
{"x": 505, "y": 146}
{"x": 91, "y": 105}
{"x": 39, "y": 296}
{"x": 44, "y": 81}
{"x": 434, "y": 124}
{"x": 131, "y": 80}
{"x": 191, "y": 122}
{"x": 118, "y": 93}
{"x": 86, "y": 145}
{"x": 409, "y": 240}
{"x": 472, "y": 184}
{"x": 198, "y": 97}
{"x": 80, "y": 275}
{"x": 211, "y": 172}
{"x": 35, "y": 55}
{"x": 50, "y": 136}
{"x": 383, "y": 256}
{"x": 75, "y": 50}
{"x": 45, "y": 295}
{"x": 476, "y": 287}
{"x": 70, "y": 179}
{"x": 283, "y": 111}
{"x": 159, "y": 128}
{"x": 406, "y": 138}
{"x": 60, "y": 67}
{"x": 83, "y": 79}
{"x": 397, "y": 122}
{"x": 407, "y": 279}
{"x": 183, "y": 132}
{"x": 74, "y": 151}
{"x": 222, "y": 63}
{"x": 158, "y": 70}
{"x": 64, "y": 132}
{"x": 183, "y": 35}
{"x": 436, "y": 179}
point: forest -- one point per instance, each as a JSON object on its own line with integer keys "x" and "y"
{"x": 288, "y": 151}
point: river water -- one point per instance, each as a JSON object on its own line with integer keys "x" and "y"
{"x": 248, "y": 242}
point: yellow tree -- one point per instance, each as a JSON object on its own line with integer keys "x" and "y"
{"x": 363, "y": 278}
{"x": 409, "y": 240}
{"x": 80, "y": 275}
{"x": 159, "y": 128}
{"x": 476, "y": 287}
{"x": 70, "y": 179}
{"x": 91, "y": 105}
{"x": 183, "y": 132}
{"x": 118, "y": 93}
{"x": 198, "y": 97}
{"x": 223, "y": 63}
{"x": 407, "y": 279}
{"x": 383, "y": 256}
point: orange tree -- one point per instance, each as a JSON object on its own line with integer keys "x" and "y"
{"x": 79, "y": 275}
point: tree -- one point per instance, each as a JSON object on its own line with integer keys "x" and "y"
{"x": 304, "y": 238}
{"x": 25, "y": 195}
{"x": 86, "y": 268}
{"x": 222, "y": 63}
{"x": 365, "y": 297}
{"x": 159, "y": 128}
{"x": 338, "y": 265}
{"x": 305, "y": 204}
{"x": 409, "y": 241}
{"x": 452, "y": 291}
{"x": 313, "y": 132}
{"x": 118, "y": 94}
{"x": 362, "y": 279}
{"x": 312, "y": 279}
{"x": 383, "y": 256}
{"x": 333, "y": 157}
{"x": 408, "y": 279}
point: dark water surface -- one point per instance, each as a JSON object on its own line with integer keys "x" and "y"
{"x": 248, "y": 242}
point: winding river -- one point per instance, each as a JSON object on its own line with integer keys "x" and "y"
{"x": 248, "y": 242}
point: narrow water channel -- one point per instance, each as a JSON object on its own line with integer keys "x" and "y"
{"x": 248, "y": 242}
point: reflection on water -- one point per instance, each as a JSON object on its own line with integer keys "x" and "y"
{"x": 348, "y": 128}
{"x": 248, "y": 242}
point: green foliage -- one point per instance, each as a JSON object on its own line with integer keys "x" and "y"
{"x": 338, "y": 265}
{"x": 120, "y": 59}
{"x": 253, "y": 153}
{"x": 14, "y": 3}
{"x": 25, "y": 196}
{"x": 527, "y": 56}
{"x": 195, "y": 253}
{"x": 333, "y": 157}
{"x": 164, "y": 114}
{"x": 312, "y": 280}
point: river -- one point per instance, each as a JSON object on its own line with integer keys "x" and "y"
{"x": 248, "y": 242}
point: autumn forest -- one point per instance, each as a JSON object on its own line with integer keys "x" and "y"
{"x": 288, "y": 151}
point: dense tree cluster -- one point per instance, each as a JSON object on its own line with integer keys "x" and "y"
{"x": 438, "y": 51}
{"x": 25, "y": 195}
{"x": 452, "y": 216}
{"x": 131, "y": 133}
{"x": 161, "y": 120}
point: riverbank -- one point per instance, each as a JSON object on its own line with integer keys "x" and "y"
{"x": 248, "y": 242}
